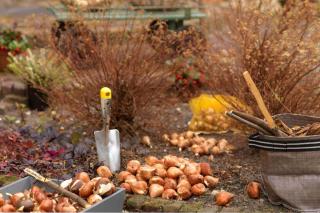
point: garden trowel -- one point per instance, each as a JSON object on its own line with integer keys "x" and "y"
{"x": 107, "y": 141}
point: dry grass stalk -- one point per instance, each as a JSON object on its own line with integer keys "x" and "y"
{"x": 279, "y": 48}
{"x": 123, "y": 61}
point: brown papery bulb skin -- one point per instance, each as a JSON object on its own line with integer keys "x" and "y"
{"x": 161, "y": 172}
{"x": 86, "y": 190}
{"x": 46, "y": 205}
{"x": 151, "y": 160}
{"x": 170, "y": 183}
{"x": 174, "y": 172}
{"x": 147, "y": 172}
{"x": 210, "y": 181}
{"x": 40, "y": 196}
{"x": 223, "y": 198}
{"x": 184, "y": 193}
{"x": 130, "y": 179}
{"x": 157, "y": 180}
{"x": 83, "y": 176}
{"x": 123, "y": 175}
{"x": 194, "y": 179}
{"x": 205, "y": 169}
{"x": 133, "y": 166}
{"x": 170, "y": 161}
{"x": 8, "y": 208}
{"x": 192, "y": 169}
{"x": 184, "y": 183}
{"x": 253, "y": 190}
{"x": 104, "y": 171}
{"x": 169, "y": 194}
{"x": 2, "y": 201}
{"x": 127, "y": 187}
{"x": 155, "y": 190}
{"x": 198, "y": 189}
{"x": 139, "y": 187}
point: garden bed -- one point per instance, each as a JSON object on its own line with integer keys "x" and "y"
{"x": 234, "y": 170}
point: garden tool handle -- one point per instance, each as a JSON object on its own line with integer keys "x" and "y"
{"x": 254, "y": 90}
{"x": 105, "y": 96}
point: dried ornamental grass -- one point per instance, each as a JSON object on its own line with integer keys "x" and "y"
{"x": 122, "y": 60}
{"x": 279, "y": 48}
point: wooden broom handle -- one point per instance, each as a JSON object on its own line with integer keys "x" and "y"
{"x": 254, "y": 90}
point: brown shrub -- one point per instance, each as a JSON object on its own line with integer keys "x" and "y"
{"x": 122, "y": 60}
{"x": 280, "y": 49}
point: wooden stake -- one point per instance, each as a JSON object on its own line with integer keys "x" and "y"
{"x": 56, "y": 187}
{"x": 254, "y": 90}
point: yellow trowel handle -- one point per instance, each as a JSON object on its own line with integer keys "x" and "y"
{"x": 105, "y": 96}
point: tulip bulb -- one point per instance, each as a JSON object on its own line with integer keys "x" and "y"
{"x": 197, "y": 149}
{"x": 174, "y": 136}
{"x": 194, "y": 179}
{"x": 139, "y": 187}
{"x": 174, "y": 172}
{"x": 170, "y": 161}
{"x": 222, "y": 144}
{"x": 16, "y": 198}
{"x": 126, "y": 186}
{"x": 133, "y": 166}
{"x": 122, "y": 176}
{"x": 165, "y": 138}
{"x": 215, "y": 150}
{"x": 151, "y": 160}
{"x": 253, "y": 190}
{"x": 104, "y": 171}
{"x": 184, "y": 183}
{"x": 83, "y": 176}
{"x": 155, "y": 190}
{"x": 191, "y": 169}
{"x": 161, "y": 172}
{"x": 75, "y": 186}
{"x": 146, "y": 141}
{"x": 184, "y": 193}
{"x": 170, "y": 183}
{"x": 86, "y": 190}
{"x": 46, "y": 205}
{"x": 210, "y": 181}
{"x": 147, "y": 172}
{"x": 64, "y": 184}
{"x": 222, "y": 198}
{"x": 105, "y": 189}
{"x": 2, "y": 201}
{"x": 205, "y": 169}
{"x": 130, "y": 179}
{"x": 189, "y": 134}
{"x": 8, "y": 208}
{"x": 94, "y": 198}
{"x": 169, "y": 194}
{"x": 157, "y": 180}
{"x": 198, "y": 189}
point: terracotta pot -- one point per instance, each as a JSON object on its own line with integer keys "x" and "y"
{"x": 3, "y": 59}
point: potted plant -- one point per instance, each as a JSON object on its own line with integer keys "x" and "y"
{"x": 42, "y": 70}
{"x": 11, "y": 42}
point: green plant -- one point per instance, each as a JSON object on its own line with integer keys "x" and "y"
{"x": 41, "y": 69}
{"x": 13, "y": 42}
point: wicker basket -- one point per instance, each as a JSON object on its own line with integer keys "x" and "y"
{"x": 291, "y": 166}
